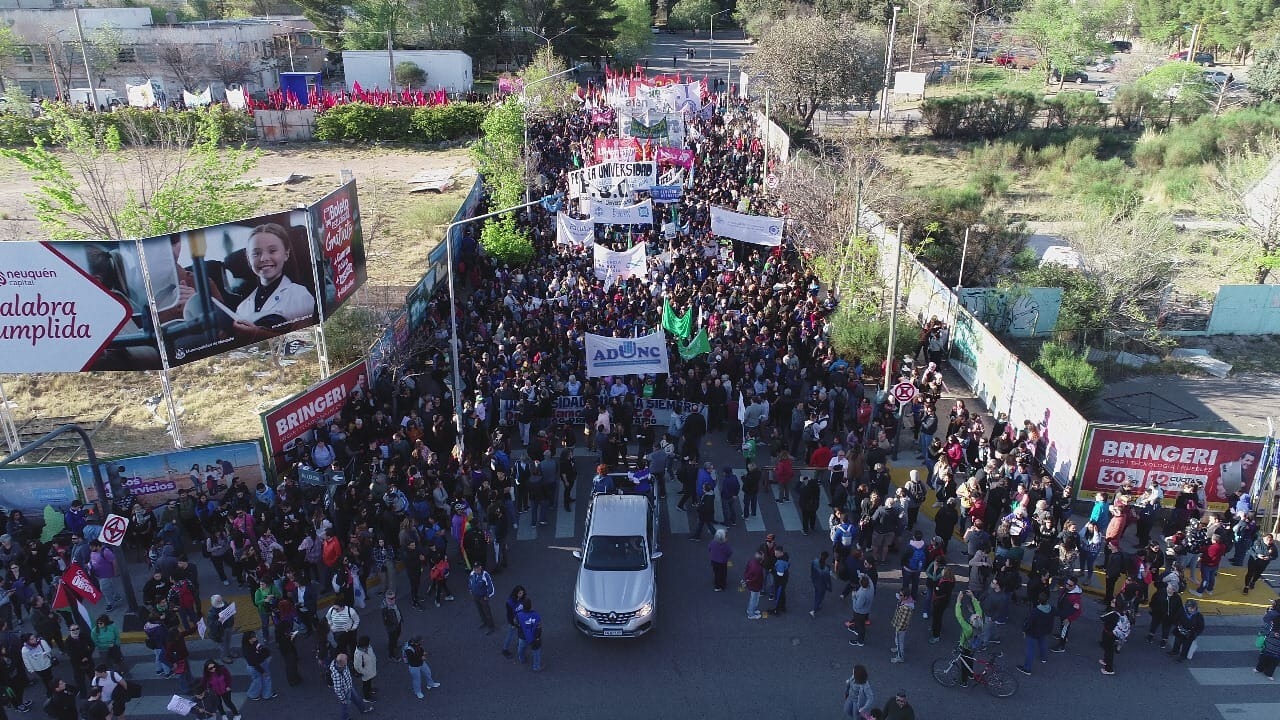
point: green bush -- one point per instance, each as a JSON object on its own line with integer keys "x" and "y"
{"x": 1131, "y": 104}
{"x": 447, "y": 122}
{"x": 506, "y": 243}
{"x": 866, "y": 337}
{"x": 365, "y": 123}
{"x": 1070, "y": 110}
{"x": 135, "y": 125}
{"x": 979, "y": 116}
{"x": 1069, "y": 372}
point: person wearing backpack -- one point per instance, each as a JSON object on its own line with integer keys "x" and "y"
{"x": 480, "y": 583}
{"x": 1035, "y": 632}
{"x": 913, "y": 563}
{"x": 916, "y": 494}
{"x": 343, "y": 622}
{"x": 1110, "y": 620}
{"x": 440, "y": 577}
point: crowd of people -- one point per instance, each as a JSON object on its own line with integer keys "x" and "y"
{"x": 444, "y": 507}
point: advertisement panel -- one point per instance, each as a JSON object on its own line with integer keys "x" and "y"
{"x": 1167, "y": 459}
{"x": 156, "y": 479}
{"x": 335, "y": 220}
{"x": 659, "y": 411}
{"x": 224, "y": 287}
{"x": 65, "y": 307}
{"x": 31, "y": 488}
{"x": 317, "y": 405}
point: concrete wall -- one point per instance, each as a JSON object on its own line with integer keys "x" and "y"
{"x": 1018, "y": 312}
{"x": 1246, "y": 310}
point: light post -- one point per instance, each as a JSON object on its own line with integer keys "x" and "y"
{"x": 973, "y": 32}
{"x": 453, "y": 307}
{"x": 711, "y": 45}
{"x": 548, "y": 40}
{"x": 524, "y": 115}
{"x": 888, "y": 68}
{"x": 893, "y": 313}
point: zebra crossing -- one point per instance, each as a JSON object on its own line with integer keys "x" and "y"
{"x": 157, "y": 692}
{"x": 1223, "y": 662}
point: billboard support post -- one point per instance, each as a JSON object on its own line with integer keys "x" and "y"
{"x": 166, "y": 388}
{"x": 132, "y": 621}
{"x": 322, "y": 345}
{"x": 6, "y": 419}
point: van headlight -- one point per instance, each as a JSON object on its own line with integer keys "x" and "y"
{"x": 582, "y": 610}
{"x": 645, "y": 610}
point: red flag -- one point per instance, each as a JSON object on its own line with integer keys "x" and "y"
{"x": 79, "y": 581}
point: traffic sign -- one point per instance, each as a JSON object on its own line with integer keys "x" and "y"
{"x": 113, "y": 530}
{"x": 771, "y": 181}
{"x": 903, "y": 392}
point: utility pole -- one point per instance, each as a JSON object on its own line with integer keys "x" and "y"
{"x": 888, "y": 70}
{"x": 84, "y": 55}
{"x": 893, "y": 314}
{"x": 973, "y": 31}
{"x": 391, "y": 62}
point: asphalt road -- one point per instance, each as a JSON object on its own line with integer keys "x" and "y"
{"x": 706, "y": 660}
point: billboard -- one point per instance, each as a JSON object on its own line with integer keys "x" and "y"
{"x": 317, "y": 405}
{"x": 64, "y": 307}
{"x": 223, "y": 287}
{"x": 31, "y": 488}
{"x": 339, "y": 237}
{"x": 156, "y": 479}
{"x": 1169, "y": 458}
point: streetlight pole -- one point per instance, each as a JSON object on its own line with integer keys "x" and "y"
{"x": 888, "y": 68}
{"x": 84, "y": 55}
{"x": 548, "y": 40}
{"x": 973, "y": 32}
{"x": 524, "y": 114}
{"x": 453, "y": 310}
{"x": 893, "y": 314}
{"x": 711, "y": 45}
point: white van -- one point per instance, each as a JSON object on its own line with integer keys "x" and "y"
{"x": 616, "y": 594}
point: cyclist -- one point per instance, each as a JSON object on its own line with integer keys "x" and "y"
{"x": 968, "y": 628}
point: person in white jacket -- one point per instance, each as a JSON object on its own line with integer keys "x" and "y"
{"x": 366, "y": 666}
{"x": 39, "y": 660}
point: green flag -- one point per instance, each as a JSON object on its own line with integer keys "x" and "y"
{"x": 698, "y": 345}
{"x": 681, "y": 327}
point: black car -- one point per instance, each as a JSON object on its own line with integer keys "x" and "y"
{"x": 1123, "y": 46}
{"x": 1072, "y": 76}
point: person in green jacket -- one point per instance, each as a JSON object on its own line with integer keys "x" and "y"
{"x": 106, "y": 640}
{"x": 970, "y": 620}
{"x": 265, "y": 599}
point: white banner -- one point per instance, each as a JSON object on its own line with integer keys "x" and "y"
{"x": 143, "y": 96}
{"x": 574, "y": 232}
{"x": 235, "y": 99}
{"x": 626, "y": 356}
{"x": 613, "y": 179}
{"x": 638, "y": 214}
{"x": 758, "y": 229}
{"x": 200, "y": 100}
{"x": 612, "y": 266}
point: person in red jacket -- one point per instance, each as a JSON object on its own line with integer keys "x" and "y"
{"x": 753, "y": 581}
{"x": 1069, "y": 607}
{"x": 330, "y": 555}
{"x": 1209, "y": 561}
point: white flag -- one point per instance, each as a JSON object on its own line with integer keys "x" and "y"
{"x": 626, "y": 356}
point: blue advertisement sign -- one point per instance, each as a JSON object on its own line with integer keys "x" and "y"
{"x": 30, "y": 489}
{"x": 155, "y": 479}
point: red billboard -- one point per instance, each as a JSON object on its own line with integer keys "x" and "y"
{"x": 1169, "y": 458}
{"x": 317, "y": 405}
{"x": 335, "y": 221}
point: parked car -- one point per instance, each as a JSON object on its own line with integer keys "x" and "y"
{"x": 1103, "y": 66}
{"x": 980, "y": 54}
{"x": 1072, "y": 75}
{"x": 1017, "y": 59}
{"x": 1123, "y": 46}
{"x": 1202, "y": 58}
{"x": 1218, "y": 77}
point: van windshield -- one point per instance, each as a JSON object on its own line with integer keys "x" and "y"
{"x": 616, "y": 552}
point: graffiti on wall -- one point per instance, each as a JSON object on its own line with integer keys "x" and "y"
{"x": 1020, "y": 312}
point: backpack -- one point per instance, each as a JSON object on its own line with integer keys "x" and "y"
{"x": 1122, "y": 628}
{"x": 440, "y": 571}
{"x": 389, "y": 617}
{"x": 916, "y": 561}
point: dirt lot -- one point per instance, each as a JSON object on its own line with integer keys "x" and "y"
{"x": 221, "y": 397}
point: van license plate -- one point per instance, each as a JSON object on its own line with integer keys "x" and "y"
{"x": 613, "y": 633}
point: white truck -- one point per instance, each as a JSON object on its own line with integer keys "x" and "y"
{"x": 616, "y": 594}
{"x": 80, "y": 96}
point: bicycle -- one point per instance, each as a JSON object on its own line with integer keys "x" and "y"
{"x": 991, "y": 673}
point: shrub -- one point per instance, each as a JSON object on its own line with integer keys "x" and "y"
{"x": 1131, "y": 104}
{"x": 447, "y": 122}
{"x": 1069, "y": 110}
{"x": 505, "y": 243}
{"x": 364, "y": 122}
{"x": 867, "y": 337}
{"x": 979, "y": 116}
{"x": 226, "y": 126}
{"x": 1070, "y": 373}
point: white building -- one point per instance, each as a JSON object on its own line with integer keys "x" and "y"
{"x": 125, "y": 46}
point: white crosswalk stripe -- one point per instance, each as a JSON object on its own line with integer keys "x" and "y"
{"x": 157, "y": 691}
{"x": 1249, "y": 711}
{"x": 1224, "y": 658}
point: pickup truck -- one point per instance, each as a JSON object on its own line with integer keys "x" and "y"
{"x": 616, "y": 593}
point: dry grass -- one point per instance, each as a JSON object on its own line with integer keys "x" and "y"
{"x": 221, "y": 397}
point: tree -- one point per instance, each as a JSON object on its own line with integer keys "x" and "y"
{"x": 505, "y": 242}
{"x": 755, "y": 16}
{"x": 497, "y": 154}
{"x": 184, "y": 61}
{"x": 690, "y": 14}
{"x": 547, "y": 97}
{"x": 230, "y": 67}
{"x": 369, "y": 22}
{"x": 136, "y": 181}
{"x": 327, "y": 15}
{"x": 485, "y": 40}
{"x": 1248, "y": 185}
{"x": 9, "y": 44}
{"x": 812, "y": 62}
{"x": 634, "y": 29}
{"x": 594, "y": 23}
{"x": 410, "y": 75}
{"x": 1061, "y": 32}
{"x": 1264, "y": 76}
